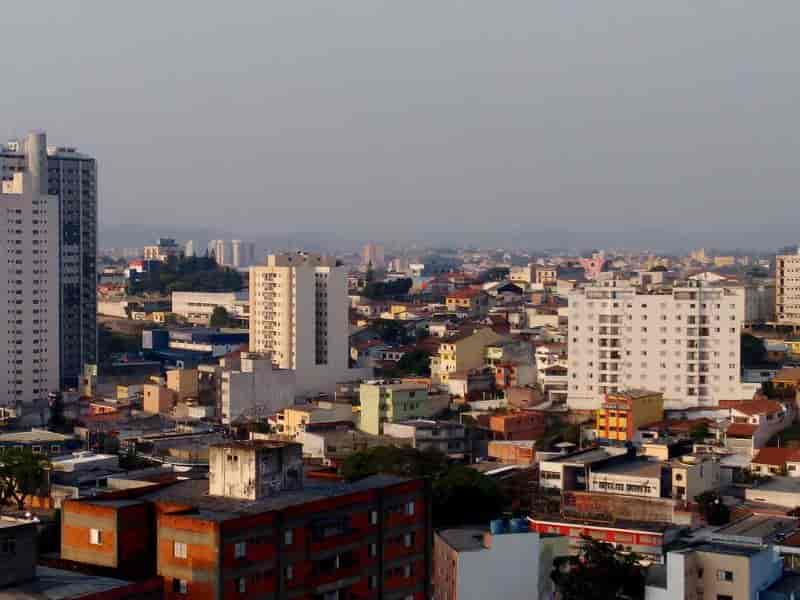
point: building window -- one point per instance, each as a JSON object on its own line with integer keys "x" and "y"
{"x": 373, "y": 550}
{"x": 288, "y": 537}
{"x": 373, "y": 582}
{"x": 180, "y": 586}
{"x": 408, "y": 540}
{"x": 95, "y": 537}
{"x": 288, "y": 573}
{"x": 240, "y": 550}
{"x": 179, "y": 550}
{"x": 410, "y": 508}
{"x": 723, "y": 575}
{"x": 242, "y": 585}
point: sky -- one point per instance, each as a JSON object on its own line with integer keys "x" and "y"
{"x": 370, "y": 118}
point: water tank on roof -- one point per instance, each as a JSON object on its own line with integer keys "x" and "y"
{"x": 498, "y": 526}
{"x": 519, "y": 526}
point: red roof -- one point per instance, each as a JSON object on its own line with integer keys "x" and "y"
{"x": 776, "y": 456}
{"x": 758, "y": 407}
{"x": 465, "y": 293}
{"x": 741, "y": 430}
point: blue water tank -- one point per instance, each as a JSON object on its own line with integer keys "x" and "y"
{"x": 497, "y": 526}
{"x": 519, "y": 526}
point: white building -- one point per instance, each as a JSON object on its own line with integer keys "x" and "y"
{"x": 684, "y": 342}
{"x": 221, "y": 251}
{"x": 471, "y": 564}
{"x": 29, "y": 247}
{"x": 787, "y": 288}
{"x": 197, "y": 307}
{"x": 299, "y": 316}
{"x": 256, "y": 389}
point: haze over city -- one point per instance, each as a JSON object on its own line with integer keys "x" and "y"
{"x": 633, "y": 123}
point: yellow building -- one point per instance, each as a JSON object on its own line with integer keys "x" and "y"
{"x": 724, "y": 261}
{"x": 462, "y": 352}
{"x": 321, "y": 415}
{"x": 469, "y": 300}
{"x": 158, "y": 399}
{"x": 621, "y": 414}
{"x": 184, "y": 382}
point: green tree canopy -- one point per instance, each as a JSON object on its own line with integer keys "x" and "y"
{"x": 712, "y": 508}
{"x": 21, "y": 474}
{"x": 387, "y": 289}
{"x": 598, "y": 572}
{"x": 463, "y": 495}
{"x": 415, "y": 362}
{"x": 219, "y": 317}
{"x": 405, "y": 462}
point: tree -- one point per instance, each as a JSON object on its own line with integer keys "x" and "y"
{"x": 405, "y": 462}
{"x": 598, "y": 572}
{"x": 463, "y": 495}
{"x": 219, "y": 317}
{"x": 21, "y": 474}
{"x": 416, "y": 362}
{"x": 712, "y": 508}
{"x": 699, "y": 432}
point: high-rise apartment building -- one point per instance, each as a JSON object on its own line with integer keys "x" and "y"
{"x": 372, "y": 254}
{"x": 787, "y": 289}
{"x": 29, "y": 292}
{"x": 684, "y": 343}
{"x": 221, "y": 251}
{"x": 299, "y": 315}
{"x": 188, "y": 249}
{"x": 71, "y": 177}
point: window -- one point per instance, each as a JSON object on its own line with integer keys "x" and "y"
{"x": 181, "y": 586}
{"x": 288, "y": 573}
{"x": 95, "y": 537}
{"x": 179, "y": 550}
{"x": 373, "y": 517}
{"x": 373, "y": 550}
{"x": 410, "y": 508}
{"x": 288, "y": 537}
{"x": 724, "y": 597}
{"x": 240, "y": 550}
{"x": 723, "y": 575}
{"x": 408, "y": 540}
{"x": 242, "y": 585}
{"x": 373, "y": 582}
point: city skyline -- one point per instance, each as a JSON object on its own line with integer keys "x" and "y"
{"x": 317, "y": 118}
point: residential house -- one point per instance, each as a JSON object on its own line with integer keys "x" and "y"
{"x": 462, "y": 352}
{"x": 522, "y": 425}
{"x": 426, "y": 434}
{"x": 390, "y": 402}
{"x": 472, "y": 302}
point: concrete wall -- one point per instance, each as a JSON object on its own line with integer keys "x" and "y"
{"x": 20, "y": 565}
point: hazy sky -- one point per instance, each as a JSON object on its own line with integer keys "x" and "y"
{"x": 373, "y": 116}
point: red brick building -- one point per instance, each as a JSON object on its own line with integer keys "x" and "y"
{"x": 322, "y": 539}
{"x": 523, "y": 425}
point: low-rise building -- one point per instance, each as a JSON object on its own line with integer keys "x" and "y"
{"x": 776, "y": 490}
{"x": 40, "y": 441}
{"x": 314, "y": 417}
{"x": 721, "y": 571}
{"x": 622, "y": 414}
{"x": 391, "y": 402}
{"x": 256, "y": 388}
{"x": 521, "y": 425}
{"x": 197, "y": 307}
{"x": 470, "y": 563}
{"x": 158, "y": 399}
{"x": 517, "y": 453}
{"x": 776, "y": 461}
{"x": 425, "y": 434}
{"x": 462, "y": 352}
{"x": 332, "y": 447}
{"x": 18, "y": 549}
{"x": 636, "y": 477}
{"x": 692, "y": 475}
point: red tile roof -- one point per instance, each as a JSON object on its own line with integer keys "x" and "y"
{"x": 741, "y": 430}
{"x": 775, "y": 456}
{"x": 758, "y": 407}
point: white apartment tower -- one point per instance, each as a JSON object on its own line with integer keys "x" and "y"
{"x": 30, "y": 291}
{"x": 787, "y": 289}
{"x": 71, "y": 176}
{"x": 684, "y": 342}
{"x": 299, "y": 315}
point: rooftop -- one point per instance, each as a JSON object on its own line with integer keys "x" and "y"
{"x": 776, "y": 456}
{"x": 194, "y": 493}
{"x": 756, "y": 528}
{"x": 730, "y": 549}
{"x": 637, "y": 467}
{"x": 582, "y": 457}
{"x": 779, "y": 484}
{"x": 758, "y": 407}
{"x": 464, "y": 540}
{"x": 34, "y": 435}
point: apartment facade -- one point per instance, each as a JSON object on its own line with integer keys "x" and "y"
{"x": 299, "y": 316}
{"x": 71, "y": 177}
{"x": 622, "y": 413}
{"x": 787, "y": 289}
{"x": 462, "y": 352}
{"x": 684, "y": 343}
{"x": 197, "y": 307}
{"x": 392, "y": 402}
{"x": 29, "y": 249}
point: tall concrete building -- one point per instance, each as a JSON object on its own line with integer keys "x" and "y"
{"x": 72, "y": 177}
{"x": 787, "y": 289}
{"x": 29, "y": 293}
{"x": 684, "y": 343}
{"x": 221, "y": 251}
{"x": 188, "y": 249}
{"x": 372, "y": 254}
{"x": 236, "y": 254}
{"x": 299, "y": 316}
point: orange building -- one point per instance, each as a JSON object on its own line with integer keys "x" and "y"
{"x": 523, "y": 425}
{"x": 622, "y": 414}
